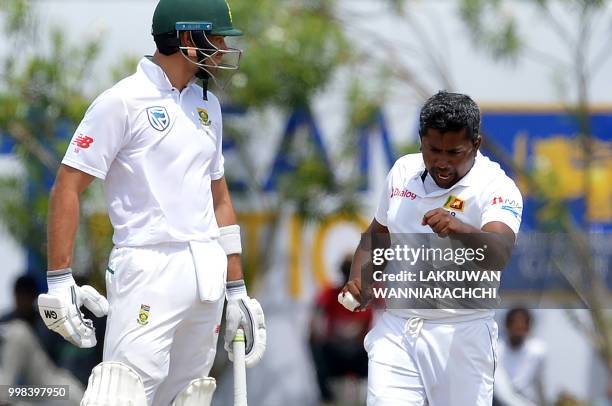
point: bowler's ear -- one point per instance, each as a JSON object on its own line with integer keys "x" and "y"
{"x": 477, "y": 142}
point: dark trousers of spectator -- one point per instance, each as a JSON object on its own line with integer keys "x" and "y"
{"x": 338, "y": 359}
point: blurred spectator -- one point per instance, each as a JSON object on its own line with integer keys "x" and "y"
{"x": 519, "y": 379}
{"x": 26, "y": 292}
{"x": 23, "y": 359}
{"x": 80, "y": 361}
{"x": 24, "y": 362}
{"x": 336, "y": 338}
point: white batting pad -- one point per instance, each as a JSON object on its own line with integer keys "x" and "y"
{"x": 199, "y": 392}
{"x": 116, "y": 384}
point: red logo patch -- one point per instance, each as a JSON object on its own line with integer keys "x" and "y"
{"x": 83, "y": 141}
{"x": 217, "y": 328}
{"x": 497, "y": 200}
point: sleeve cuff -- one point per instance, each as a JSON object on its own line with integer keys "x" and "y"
{"x": 216, "y": 175}
{"x": 84, "y": 168}
{"x": 508, "y": 219}
{"x": 379, "y": 220}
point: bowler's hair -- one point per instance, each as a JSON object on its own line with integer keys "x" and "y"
{"x": 447, "y": 111}
{"x": 518, "y": 311}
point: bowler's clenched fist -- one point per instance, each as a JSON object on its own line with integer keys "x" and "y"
{"x": 442, "y": 222}
{"x": 355, "y": 297}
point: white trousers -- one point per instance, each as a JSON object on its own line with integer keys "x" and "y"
{"x": 157, "y": 323}
{"x": 419, "y": 362}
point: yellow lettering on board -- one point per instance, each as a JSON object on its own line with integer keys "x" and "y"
{"x": 560, "y": 173}
{"x": 318, "y": 263}
{"x": 296, "y": 224}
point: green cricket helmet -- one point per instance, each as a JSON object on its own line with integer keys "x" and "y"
{"x": 201, "y": 19}
{"x": 215, "y": 12}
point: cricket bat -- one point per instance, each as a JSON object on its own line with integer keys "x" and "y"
{"x": 240, "y": 385}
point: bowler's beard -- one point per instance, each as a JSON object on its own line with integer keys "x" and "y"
{"x": 516, "y": 342}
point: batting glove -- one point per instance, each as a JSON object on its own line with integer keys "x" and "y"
{"x": 60, "y": 308}
{"x": 246, "y": 313}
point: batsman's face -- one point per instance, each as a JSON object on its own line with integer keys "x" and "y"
{"x": 213, "y": 45}
{"x": 217, "y": 42}
{"x": 448, "y": 156}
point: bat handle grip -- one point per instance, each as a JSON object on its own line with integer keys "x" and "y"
{"x": 240, "y": 386}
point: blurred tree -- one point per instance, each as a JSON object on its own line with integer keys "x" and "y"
{"x": 494, "y": 27}
{"x": 42, "y": 98}
{"x": 388, "y": 68}
{"x": 410, "y": 56}
{"x": 292, "y": 52}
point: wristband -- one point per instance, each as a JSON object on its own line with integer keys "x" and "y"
{"x": 229, "y": 239}
{"x": 236, "y": 290}
{"x": 60, "y": 278}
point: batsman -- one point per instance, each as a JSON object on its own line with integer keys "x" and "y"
{"x": 155, "y": 139}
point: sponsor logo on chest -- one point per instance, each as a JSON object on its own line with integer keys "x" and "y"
{"x": 403, "y": 193}
{"x": 158, "y": 117}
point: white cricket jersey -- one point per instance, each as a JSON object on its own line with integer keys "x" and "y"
{"x": 157, "y": 150}
{"x": 483, "y": 195}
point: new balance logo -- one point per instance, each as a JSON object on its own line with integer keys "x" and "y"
{"x": 83, "y": 141}
{"x": 50, "y": 314}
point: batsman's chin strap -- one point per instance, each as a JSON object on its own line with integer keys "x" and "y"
{"x": 205, "y": 76}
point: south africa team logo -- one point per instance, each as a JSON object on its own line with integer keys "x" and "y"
{"x": 203, "y": 114}
{"x": 158, "y": 117}
{"x": 143, "y": 315}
